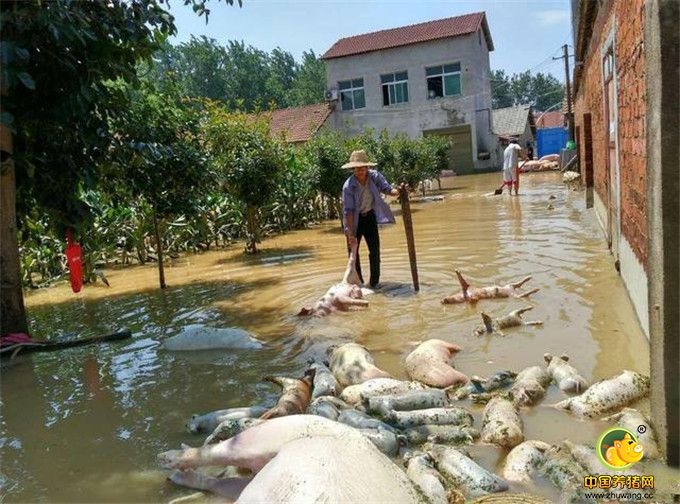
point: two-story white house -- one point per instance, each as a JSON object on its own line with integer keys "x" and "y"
{"x": 425, "y": 79}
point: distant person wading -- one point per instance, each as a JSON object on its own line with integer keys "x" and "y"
{"x": 364, "y": 209}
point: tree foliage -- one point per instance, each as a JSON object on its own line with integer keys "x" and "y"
{"x": 540, "y": 90}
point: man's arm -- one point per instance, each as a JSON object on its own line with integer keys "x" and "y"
{"x": 384, "y": 185}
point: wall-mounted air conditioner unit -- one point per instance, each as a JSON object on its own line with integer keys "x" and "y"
{"x": 331, "y": 95}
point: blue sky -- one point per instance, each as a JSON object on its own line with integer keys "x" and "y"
{"x": 526, "y": 34}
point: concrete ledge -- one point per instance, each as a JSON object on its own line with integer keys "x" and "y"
{"x": 635, "y": 279}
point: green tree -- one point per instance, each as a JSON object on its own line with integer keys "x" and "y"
{"x": 247, "y": 71}
{"x": 282, "y": 73}
{"x": 501, "y": 91}
{"x": 547, "y": 91}
{"x": 200, "y": 66}
{"x": 159, "y": 159}
{"x": 55, "y": 57}
{"x": 248, "y": 160}
{"x": 310, "y": 81}
{"x": 521, "y": 85}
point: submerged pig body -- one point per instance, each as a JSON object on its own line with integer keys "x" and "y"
{"x": 440, "y": 434}
{"x": 523, "y": 461}
{"x": 327, "y": 406}
{"x": 469, "y": 294}
{"x": 360, "y": 420}
{"x": 254, "y": 447}
{"x": 325, "y": 383}
{"x": 469, "y": 477}
{"x": 565, "y": 375}
{"x": 430, "y": 416}
{"x": 513, "y": 319}
{"x": 420, "y": 470}
{"x": 607, "y": 395}
{"x": 341, "y": 296}
{"x": 352, "y": 364}
{"x": 294, "y": 398}
{"x": 210, "y": 421}
{"x": 529, "y": 386}
{"x": 429, "y": 363}
{"x": 501, "y": 425}
{"x": 378, "y": 387}
{"x": 408, "y": 401}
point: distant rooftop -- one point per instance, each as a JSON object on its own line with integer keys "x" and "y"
{"x": 511, "y": 121}
{"x": 412, "y": 34}
{"x": 297, "y": 124}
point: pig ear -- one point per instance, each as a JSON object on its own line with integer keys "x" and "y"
{"x": 547, "y": 357}
{"x": 564, "y": 357}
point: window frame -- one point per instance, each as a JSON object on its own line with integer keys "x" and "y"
{"x": 351, "y": 90}
{"x": 393, "y": 85}
{"x": 443, "y": 76}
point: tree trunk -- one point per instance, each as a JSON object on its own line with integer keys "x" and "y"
{"x": 422, "y": 187}
{"x": 253, "y": 231}
{"x": 12, "y": 310}
{"x": 439, "y": 183}
{"x": 159, "y": 251}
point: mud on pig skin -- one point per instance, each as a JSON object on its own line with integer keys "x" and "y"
{"x": 295, "y": 396}
{"x": 429, "y": 363}
{"x": 378, "y": 386}
{"x": 352, "y": 364}
{"x": 607, "y": 395}
{"x": 325, "y": 383}
{"x": 565, "y": 375}
{"x": 210, "y": 421}
{"x": 327, "y": 406}
{"x": 529, "y": 386}
{"x": 523, "y": 461}
{"x": 420, "y": 470}
{"x": 502, "y": 424}
{"x": 230, "y": 428}
{"x": 413, "y": 400}
{"x": 360, "y": 420}
{"x": 513, "y": 319}
{"x": 469, "y": 477}
{"x": 440, "y": 434}
{"x": 430, "y": 416}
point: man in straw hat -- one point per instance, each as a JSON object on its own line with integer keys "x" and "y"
{"x": 364, "y": 209}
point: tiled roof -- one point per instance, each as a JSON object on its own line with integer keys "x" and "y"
{"x": 412, "y": 34}
{"x": 510, "y": 121}
{"x": 297, "y": 124}
{"x": 553, "y": 119}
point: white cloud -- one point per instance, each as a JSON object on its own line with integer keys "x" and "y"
{"x": 550, "y": 17}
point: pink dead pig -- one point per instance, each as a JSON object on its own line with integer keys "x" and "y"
{"x": 341, "y": 296}
{"x": 429, "y": 364}
{"x": 255, "y": 447}
{"x": 471, "y": 294}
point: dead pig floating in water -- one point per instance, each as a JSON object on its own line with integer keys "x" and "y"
{"x": 479, "y": 385}
{"x": 523, "y": 461}
{"x": 529, "y": 386}
{"x": 512, "y": 319}
{"x": 254, "y": 447}
{"x": 564, "y": 472}
{"x": 414, "y": 400}
{"x": 388, "y": 442}
{"x": 429, "y": 364}
{"x": 469, "y": 477}
{"x": 631, "y": 419}
{"x": 378, "y": 387}
{"x": 501, "y": 425}
{"x": 231, "y": 427}
{"x": 565, "y": 375}
{"x": 440, "y": 434}
{"x": 199, "y": 337}
{"x": 352, "y": 364}
{"x": 607, "y": 395}
{"x": 295, "y": 396}
{"x": 210, "y": 421}
{"x": 325, "y": 383}
{"x": 420, "y": 470}
{"x": 471, "y": 294}
{"x": 360, "y": 420}
{"x": 327, "y": 406}
{"x": 430, "y": 416}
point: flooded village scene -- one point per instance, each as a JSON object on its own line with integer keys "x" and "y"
{"x": 339, "y": 252}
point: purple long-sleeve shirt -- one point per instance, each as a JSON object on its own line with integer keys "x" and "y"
{"x": 351, "y": 199}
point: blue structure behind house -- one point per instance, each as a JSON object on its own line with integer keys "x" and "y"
{"x": 550, "y": 141}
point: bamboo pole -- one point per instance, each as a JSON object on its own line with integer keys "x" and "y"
{"x": 410, "y": 242}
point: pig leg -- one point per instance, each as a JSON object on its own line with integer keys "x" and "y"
{"x": 225, "y": 487}
{"x": 534, "y": 322}
{"x": 520, "y": 311}
{"x": 346, "y": 300}
{"x": 517, "y": 285}
{"x": 351, "y": 276}
{"x": 529, "y": 293}
{"x": 464, "y": 285}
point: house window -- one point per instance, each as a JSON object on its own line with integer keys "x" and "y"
{"x": 394, "y": 88}
{"x": 443, "y": 80}
{"x": 352, "y": 94}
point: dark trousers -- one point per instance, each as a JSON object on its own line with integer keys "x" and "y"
{"x": 367, "y": 228}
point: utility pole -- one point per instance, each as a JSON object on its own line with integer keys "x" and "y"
{"x": 570, "y": 114}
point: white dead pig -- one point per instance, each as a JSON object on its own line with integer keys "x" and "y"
{"x": 565, "y": 375}
{"x": 501, "y": 425}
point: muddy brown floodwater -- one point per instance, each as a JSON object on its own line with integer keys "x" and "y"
{"x": 86, "y": 424}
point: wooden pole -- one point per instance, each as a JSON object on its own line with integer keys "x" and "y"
{"x": 410, "y": 242}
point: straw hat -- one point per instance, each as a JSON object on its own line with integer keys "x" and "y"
{"x": 357, "y": 159}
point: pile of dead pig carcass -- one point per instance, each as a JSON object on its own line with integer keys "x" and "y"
{"x": 549, "y": 162}
{"x": 346, "y": 431}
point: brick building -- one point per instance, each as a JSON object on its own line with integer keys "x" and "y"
{"x": 626, "y": 112}
{"x": 609, "y": 114}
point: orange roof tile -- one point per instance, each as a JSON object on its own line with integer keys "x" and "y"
{"x": 298, "y": 124}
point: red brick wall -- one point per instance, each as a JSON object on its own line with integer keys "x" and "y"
{"x": 628, "y": 16}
